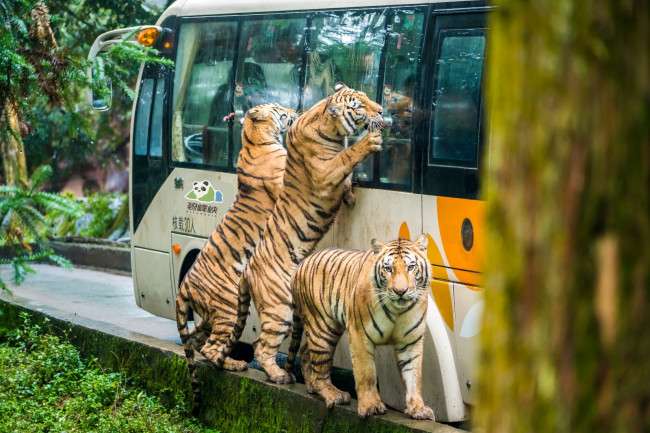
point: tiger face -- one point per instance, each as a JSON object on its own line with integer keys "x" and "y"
{"x": 354, "y": 110}
{"x": 272, "y": 115}
{"x": 401, "y": 275}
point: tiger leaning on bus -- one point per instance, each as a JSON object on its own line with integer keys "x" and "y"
{"x": 210, "y": 287}
{"x": 318, "y": 168}
{"x": 379, "y": 297}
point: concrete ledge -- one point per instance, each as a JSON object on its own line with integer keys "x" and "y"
{"x": 95, "y": 255}
{"x": 242, "y": 402}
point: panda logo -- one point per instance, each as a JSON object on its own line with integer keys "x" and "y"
{"x": 203, "y": 191}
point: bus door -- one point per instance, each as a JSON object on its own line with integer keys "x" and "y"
{"x": 149, "y": 170}
{"x": 451, "y": 159}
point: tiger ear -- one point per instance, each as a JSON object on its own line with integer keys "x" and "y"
{"x": 339, "y": 85}
{"x": 421, "y": 242}
{"x": 256, "y": 114}
{"x": 334, "y": 109}
{"x": 377, "y": 245}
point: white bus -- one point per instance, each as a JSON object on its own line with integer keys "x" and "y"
{"x": 424, "y": 62}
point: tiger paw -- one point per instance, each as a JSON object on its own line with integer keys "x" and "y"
{"x": 235, "y": 365}
{"x": 335, "y": 397}
{"x": 371, "y": 407}
{"x": 420, "y": 412}
{"x": 282, "y": 378}
{"x": 349, "y": 199}
{"x": 372, "y": 141}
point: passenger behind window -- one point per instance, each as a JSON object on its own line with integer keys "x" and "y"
{"x": 395, "y": 163}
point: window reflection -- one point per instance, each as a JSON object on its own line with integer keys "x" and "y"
{"x": 345, "y": 46}
{"x": 143, "y": 116}
{"x": 402, "y": 59}
{"x": 268, "y": 70}
{"x": 457, "y": 97}
{"x": 202, "y": 93}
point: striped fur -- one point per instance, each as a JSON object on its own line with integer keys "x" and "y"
{"x": 318, "y": 165}
{"x": 379, "y": 297}
{"x": 210, "y": 287}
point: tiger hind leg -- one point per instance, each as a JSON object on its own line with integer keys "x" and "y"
{"x": 321, "y": 352}
{"x": 200, "y": 334}
{"x": 211, "y": 350}
{"x": 182, "y": 312}
{"x": 296, "y": 336}
{"x": 275, "y": 327}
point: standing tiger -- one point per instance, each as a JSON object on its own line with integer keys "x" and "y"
{"x": 379, "y": 297}
{"x": 315, "y": 182}
{"x": 211, "y": 285}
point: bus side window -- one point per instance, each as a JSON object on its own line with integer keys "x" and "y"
{"x": 455, "y": 123}
{"x": 345, "y": 46}
{"x": 402, "y": 59}
{"x": 155, "y": 140}
{"x": 268, "y": 66}
{"x": 202, "y": 92}
{"x": 141, "y": 138}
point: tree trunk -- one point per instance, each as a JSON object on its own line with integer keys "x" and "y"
{"x": 566, "y": 346}
{"x": 13, "y": 155}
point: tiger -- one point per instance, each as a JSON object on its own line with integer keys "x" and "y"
{"x": 380, "y": 297}
{"x": 316, "y": 180}
{"x": 210, "y": 287}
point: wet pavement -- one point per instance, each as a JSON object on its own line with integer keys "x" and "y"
{"x": 96, "y": 295}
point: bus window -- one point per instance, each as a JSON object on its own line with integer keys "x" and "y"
{"x": 455, "y": 121}
{"x": 155, "y": 141}
{"x": 345, "y": 46}
{"x": 202, "y": 90}
{"x": 402, "y": 59}
{"x": 268, "y": 66}
{"x": 140, "y": 140}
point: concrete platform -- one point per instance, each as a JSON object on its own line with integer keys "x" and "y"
{"x": 97, "y": 313}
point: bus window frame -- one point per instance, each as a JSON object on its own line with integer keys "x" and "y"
{"x": 473, "y": 17}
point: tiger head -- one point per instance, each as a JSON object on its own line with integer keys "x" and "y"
{"x": 273, "y": 117}
{"x": 353, "y": 110}
{"x": 402, "y": 272}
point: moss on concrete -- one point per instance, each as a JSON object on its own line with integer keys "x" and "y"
{"x": 233, "y": 403}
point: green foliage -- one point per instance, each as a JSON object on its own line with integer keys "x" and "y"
{"x": 46, "y": 387}
{"x": 104, "y": 215}
{"x": 44, "y": 86}
{"x": 23, "y": 220}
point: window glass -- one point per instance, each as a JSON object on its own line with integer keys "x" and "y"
{"x": 202, "y": 89}
{"x": 155, "y": 141}
{"x": 402, "y": 60}
{"x": 345, "y": 46}
{"x": 142, "y": 120}
{"x": 457, "y": 97}
{"x": 269, "y": 66}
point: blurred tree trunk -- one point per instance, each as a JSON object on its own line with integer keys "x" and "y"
{"x": 566, "y": 341}
{"x": 11, "y": 149}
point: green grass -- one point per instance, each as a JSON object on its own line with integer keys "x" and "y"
{"x": 46, "y": 387}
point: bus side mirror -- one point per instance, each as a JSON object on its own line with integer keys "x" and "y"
{"x": 102, "y": 90}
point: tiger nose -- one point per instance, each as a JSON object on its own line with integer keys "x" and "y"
{"x": 400, "y": 291}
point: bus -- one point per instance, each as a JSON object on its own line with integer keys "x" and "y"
{"x": 423, "y": 62}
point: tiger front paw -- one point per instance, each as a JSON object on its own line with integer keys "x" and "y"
{"x": 372, "y": 406}
{"x": 370, "y": 143}
{"x": 420, "y": 412}
{"x": 349, "y": 199}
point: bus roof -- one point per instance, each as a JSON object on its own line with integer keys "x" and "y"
{"x": 187, "y": 8}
